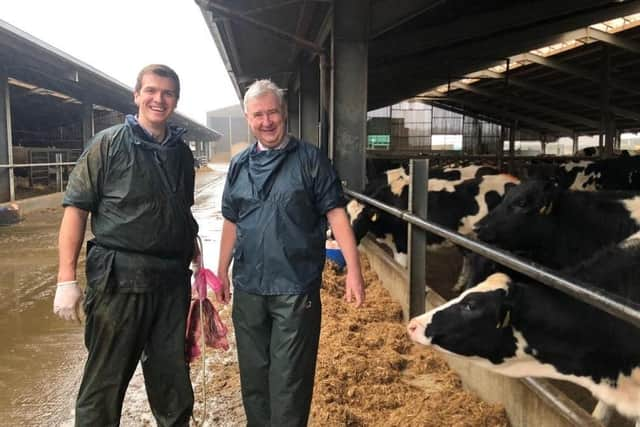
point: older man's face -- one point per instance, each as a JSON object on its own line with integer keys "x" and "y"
{"x": 266, "y": 119}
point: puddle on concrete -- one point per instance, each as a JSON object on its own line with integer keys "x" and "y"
{"x": 38, "y": 350}
{"x": 41, "y": 356}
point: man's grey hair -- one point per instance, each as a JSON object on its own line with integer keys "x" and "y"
{"x": 262, "y": 87}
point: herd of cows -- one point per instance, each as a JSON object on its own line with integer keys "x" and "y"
{"x": 581, "y": 219}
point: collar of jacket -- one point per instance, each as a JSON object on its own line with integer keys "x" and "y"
{"x": 263, "y": 167}
{"x": 259, "y": 147}
{"x": 175, "y": 133}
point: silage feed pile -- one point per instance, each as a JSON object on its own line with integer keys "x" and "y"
{"x": 370, "y": 374}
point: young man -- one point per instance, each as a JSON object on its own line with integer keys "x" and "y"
{"x": 137, "y": 181}
{"x": 278, "y": 197}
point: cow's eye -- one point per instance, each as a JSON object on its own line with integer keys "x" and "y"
{"x": 520, "y": 205}
{"x": 467, "y": 306}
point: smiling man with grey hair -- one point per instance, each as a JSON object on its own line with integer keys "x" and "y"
{"x": 279, "y": 195}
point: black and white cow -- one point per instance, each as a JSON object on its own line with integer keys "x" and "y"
{"x": 523, "y": 328}
{"x": 596, "y": 151}
{"x": 553, "y": 227}
{"x": 456, "y": 204}
{"x": 391, "y": 189}
{"x": 559, "y": 228}
{"x": 615, "y": 173}
{"x": 457, "y": 174}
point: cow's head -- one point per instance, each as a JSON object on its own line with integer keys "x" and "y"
{"x": 391, "y": 189}
{"x": 362, "y": 218}
{"x": 475, "y": 324}
{"x": 517, "y": 222}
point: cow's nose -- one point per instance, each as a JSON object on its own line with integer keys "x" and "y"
{"x": 412, "y": 326}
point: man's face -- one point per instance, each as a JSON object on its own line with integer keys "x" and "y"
{"x": 156, "y": 100}
{"x": 266, "y": 119}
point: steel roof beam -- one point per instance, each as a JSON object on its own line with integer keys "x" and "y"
{"x": 512, "y": 100}
{"x": 233, "y": 47}
{"x": 238, "y": 16}
{"x": 558, "y": 94}
{"x": 479, "y": 25}
{"x": 623, "y": 85}
{"x": 403, "y": 78}
{"x": 614, "y": 40}
{"x": 229, "y": 56}
{"x": 386, "y": 16}
{"x": 536, "y": 123}
{"x": 284, "y": 3}
{"x": 303, "y": 22}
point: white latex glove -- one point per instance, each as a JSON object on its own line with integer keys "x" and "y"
{"x": 67, "y": 300}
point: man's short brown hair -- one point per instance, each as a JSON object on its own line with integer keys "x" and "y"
{"x": 159, "y": 70}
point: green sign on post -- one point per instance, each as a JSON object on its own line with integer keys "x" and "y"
{"x": 378, "y": 141}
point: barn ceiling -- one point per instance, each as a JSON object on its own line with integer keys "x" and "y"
{"x": 417, "y": 46}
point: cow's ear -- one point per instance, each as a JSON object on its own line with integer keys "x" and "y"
{"x": 552, "y": 189}
{"x": 504, "y": 317}
{"x": 552, "y": 183}
{"x": 508, "y": 309}
{"x": 373, "y": 214}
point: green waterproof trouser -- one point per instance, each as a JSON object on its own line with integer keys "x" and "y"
{"x": 122, "y": 329}
{"x": 277, "y": 338}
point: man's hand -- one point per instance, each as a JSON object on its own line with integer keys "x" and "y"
{"x": 343, "y": 233}
{"x": 354, "y": 288}
{"x": 223, "y": 295}
{"x": 66, "y": 303}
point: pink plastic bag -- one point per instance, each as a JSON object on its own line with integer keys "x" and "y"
{"x": 203, "y": 317}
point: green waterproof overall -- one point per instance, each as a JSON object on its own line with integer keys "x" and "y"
{"x": 139, "y": 193}
{"x": 277, "y": 339}
{"x": 123, "y": 328}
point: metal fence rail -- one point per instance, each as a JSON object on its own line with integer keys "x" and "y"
{"x": 29, "y": 165}
{"x": 612, "y": 304}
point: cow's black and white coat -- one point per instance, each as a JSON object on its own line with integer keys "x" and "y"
{"x": 523, "y": 328}
{"x": 559, "y": 228}
{"x": 615, "y": 173}
{"x": 553, "y": 227}
{"x": 457, "y": 203}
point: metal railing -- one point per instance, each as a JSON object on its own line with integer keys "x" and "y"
{"x": 30, "y": 165}
{"x": 612, "y": 304}
{"x": 11, "y": 166}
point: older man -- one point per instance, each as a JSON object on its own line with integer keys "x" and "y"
{"x": 278, "y": 197}
{"x": 137, "y": 181}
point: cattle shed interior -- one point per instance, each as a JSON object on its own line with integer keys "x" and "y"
{"x": 538, "y": 70}
{"x": 534, "y": 70}
{"x": 51, "y": 105}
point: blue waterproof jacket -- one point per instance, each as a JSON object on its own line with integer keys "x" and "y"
{"x": 278, "y": 200}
